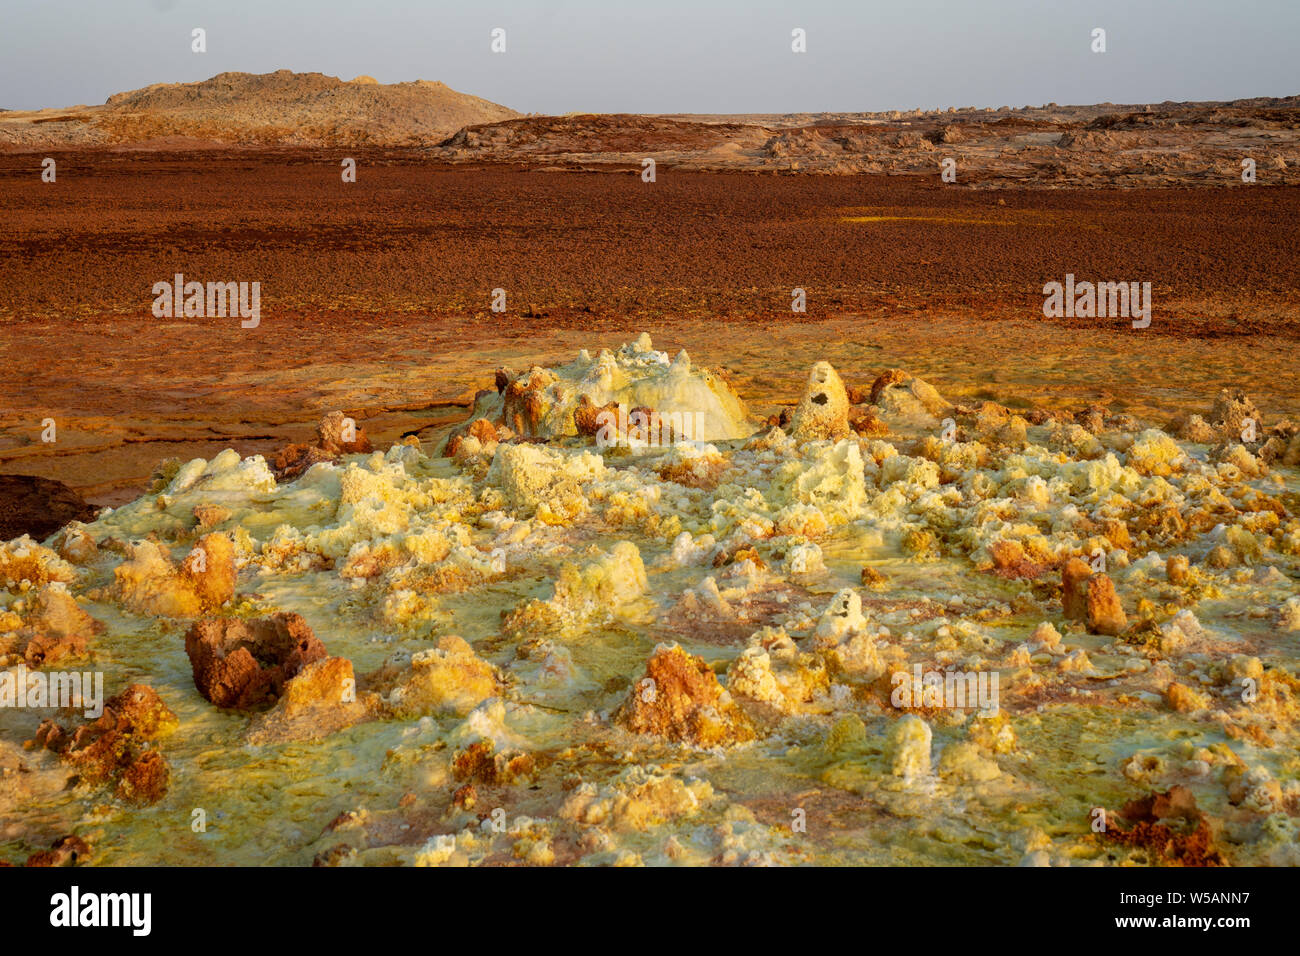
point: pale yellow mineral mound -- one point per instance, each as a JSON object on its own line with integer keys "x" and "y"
{"x": 52, "y": 626}
{"x": 450, "y": 678}
{"x": 823, "y": 409}
{"x": 321, "y": 699}
{"x": 24, "y": 560}
{"x": 149, "y": 582}
{"x": 773, "y": 671}
{"x": 691, "y": 403}
{"x": 907, "y": 747}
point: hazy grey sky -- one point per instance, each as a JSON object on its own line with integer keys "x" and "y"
{"x": 699, "y": 56}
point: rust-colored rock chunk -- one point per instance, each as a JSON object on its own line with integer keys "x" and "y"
{"x": 893, "y": 376}
{"x": 336, "y": 435}
{"x": 38, "y": 507}
{"x": 1105, "y": 615}
{"x": 246, "y": 664}
{"x": 680, "y": 699}
{"x": 115, "y": 747}
{"x": 1074, "y": 582}
{"x": 65, "y": 851}
{"x": 1090, "y": 597}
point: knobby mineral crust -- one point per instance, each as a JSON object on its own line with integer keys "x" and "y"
{"x": 614, "y": 617}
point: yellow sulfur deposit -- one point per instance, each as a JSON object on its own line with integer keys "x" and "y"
{"x": 652, "y": 645}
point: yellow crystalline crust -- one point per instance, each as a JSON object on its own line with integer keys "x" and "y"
{"x": 745, "y": 565}
{"x": 450, "y": 678}
{"x": 148, "y": 582}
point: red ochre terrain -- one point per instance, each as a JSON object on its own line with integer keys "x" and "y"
{"x": 375, "y": 294}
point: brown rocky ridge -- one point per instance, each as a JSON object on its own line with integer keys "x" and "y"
{"x": 281, "y": 108}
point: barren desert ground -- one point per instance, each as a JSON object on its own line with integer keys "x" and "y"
{"x": 375, "y": 295}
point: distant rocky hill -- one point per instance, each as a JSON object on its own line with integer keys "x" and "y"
{"x": 281, "y": 108}
{"x": 1052, "y": 146}
{"x": 1105, "y": 144}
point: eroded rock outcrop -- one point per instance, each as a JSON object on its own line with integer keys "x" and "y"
{"x": 823, "y": 409}
{"x": 908, "y": 398}
{"x": 336, "y": 435}
{"x": 1169, "y": 825}
{"x": 680, "y": 699}
{"x": 38, "y": 506}
{"x": 1090, "y": 597}
{"x": 1105, "y": 614}
{"x": 1232, "y": 418}
{"x": 245, "y": 664}
{"x": 568, "y": 400}
{"x": 277, "y": 666}
{"x": 116, "y": 747}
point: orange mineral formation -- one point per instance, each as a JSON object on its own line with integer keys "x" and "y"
{"x": 680, "y": 699}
